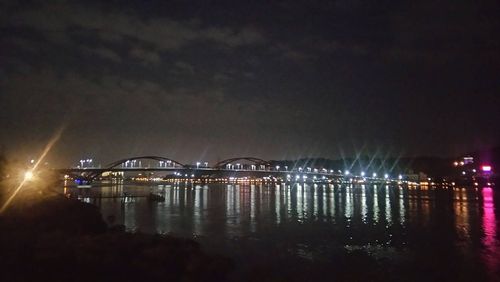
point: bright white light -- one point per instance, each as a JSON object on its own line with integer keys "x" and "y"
{"x": 374, "y": 174}
{"x": 28, "y": 175}
{"x": 386, "y": 176}
{"x": 400, "y": 177}
{"x": 346, "y": 172}
{"x": 362, "y": 173}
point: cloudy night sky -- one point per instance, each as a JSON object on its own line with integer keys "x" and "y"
{"x": 285, "y": 79}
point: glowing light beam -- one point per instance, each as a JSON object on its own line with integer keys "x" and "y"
{"x": 29, "y": 174}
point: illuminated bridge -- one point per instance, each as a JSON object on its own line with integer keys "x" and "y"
{"x": 233, "y": 167}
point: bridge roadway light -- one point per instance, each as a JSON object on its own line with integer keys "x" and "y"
{"x": 346, "y": 172}
{"x": 300, "y": 169}
{"x": 198, "y": 164}
{"x": 400, "y": 177}
{"x": 278, "y": 167}
{"x": 374, "y": 174}
{"x": 386, "y": 176}
{"x": 363, "y": 174}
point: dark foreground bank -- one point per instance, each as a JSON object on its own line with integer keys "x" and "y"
{"x": 57, "y": 239}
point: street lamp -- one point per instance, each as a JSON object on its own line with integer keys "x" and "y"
{"x": 374, "y": 174}
{"x": 198, "y": 164}
{"x": 28, "y": 175}
{"x": 386, "y": 176}
{"x": 363, "y": 174}
{"x": 346, "y": 172}
{"x": 278, "y": 167}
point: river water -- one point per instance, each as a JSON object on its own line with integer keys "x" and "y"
{"x": 435, "y": 234}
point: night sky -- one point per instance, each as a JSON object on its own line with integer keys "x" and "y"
{"x": 281, "y": 80}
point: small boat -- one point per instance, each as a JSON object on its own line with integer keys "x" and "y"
{"x": 156, "y": 197}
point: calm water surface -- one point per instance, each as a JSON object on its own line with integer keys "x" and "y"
{"x": 314, "y": 222}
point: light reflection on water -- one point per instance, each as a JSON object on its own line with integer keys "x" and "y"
{"x": 362, "y": 215}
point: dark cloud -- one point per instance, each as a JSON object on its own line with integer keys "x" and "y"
{"x": 286, "y": 79}
{"x": 147, "y": 56}
{"x": 104, "y": 53}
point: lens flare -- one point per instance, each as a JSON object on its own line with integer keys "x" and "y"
{"x": 29, "y": 174}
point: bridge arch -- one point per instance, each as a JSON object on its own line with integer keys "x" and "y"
{"x": 253, "y": 160}
{"x": 93, "y": 174}
{"x": 156, "y": 158}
